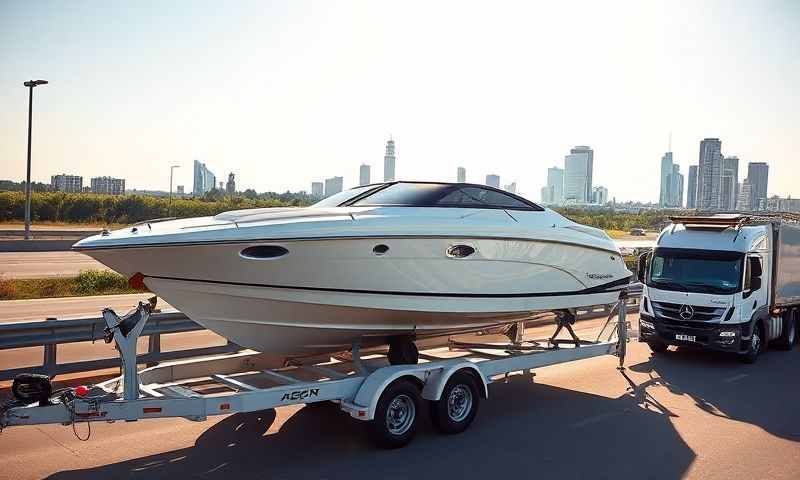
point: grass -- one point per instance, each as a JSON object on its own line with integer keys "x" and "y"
{"x": 617, "y": 233}
{"x": 89, "y": 282}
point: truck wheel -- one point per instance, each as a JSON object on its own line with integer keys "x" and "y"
{"x": 402, "y": 351}
{"x": 456, "y": 409}
{"x": 756, "y": 344}
{"x": 657, "y": 346}
{"x": 789, "y": 334}
{"x": 395, "y": 419}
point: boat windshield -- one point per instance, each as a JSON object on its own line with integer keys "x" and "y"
{"x": 411, "y": 194}
{"x": 339, "y": 198}
{"x": 699, "y": 271}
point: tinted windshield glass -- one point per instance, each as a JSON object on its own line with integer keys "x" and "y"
{"x": 338, "y": 198}
{"x": 442, "y": 195}
{"x": 696, "y": 271}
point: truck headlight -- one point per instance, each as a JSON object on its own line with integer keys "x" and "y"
{"x": 646, "y": 324}
{"x": 727, "y": 333}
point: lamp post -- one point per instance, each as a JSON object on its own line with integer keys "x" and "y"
{"x": 171, "y": 169}
{"x": 30, "y": 84}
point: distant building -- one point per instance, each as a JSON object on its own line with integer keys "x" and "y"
{"x": 553, "y": 193}
{"x": 363, "y": 175}
{"x": 461, "y": 175}
{"x": 108, "y": 185}
{"x": 600, "y": 195}
{"x": 493, "y": 180}
{"x": 67, "y": 183}
{"x": 181, "y": 190}
{"x": 777, "y": 204}
{"x": 691, "y": 193}
{"x": 317, "y": 189}
{"x": 511, "y": 187}
{"x": 758, "y": 176}
{"x": 204, "y": 180}
{"x": 333, "y": 185}
{"x": 578, "y": 167}
{"x": 230, "y": 187}
{"x": 743, "y": 203}
{"x": 671, "y": 192}
{"x": 388, "y": 163}
{"x": 729, "y": 186}
{"x": 709, "y": 175}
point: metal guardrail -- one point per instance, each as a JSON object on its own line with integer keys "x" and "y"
{"x": 51, "y": 333}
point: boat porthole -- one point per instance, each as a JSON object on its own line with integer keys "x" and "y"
{"x": 263, "y": 252}
{"x": 380, "y": 249}
{"x": 460, "y": 251}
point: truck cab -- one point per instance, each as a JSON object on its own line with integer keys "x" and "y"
{"x": 711, "y": 282}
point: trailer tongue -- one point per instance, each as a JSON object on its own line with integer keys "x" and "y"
{"x": 453, "y": 378}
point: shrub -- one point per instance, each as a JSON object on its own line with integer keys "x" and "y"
{"x": 96, "y": 281}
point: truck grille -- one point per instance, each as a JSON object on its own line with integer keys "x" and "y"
{"x": 701, "y": 314}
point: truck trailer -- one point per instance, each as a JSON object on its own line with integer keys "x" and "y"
{"x": 723, "y": 282}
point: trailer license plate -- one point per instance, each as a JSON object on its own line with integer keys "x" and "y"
{"x": 685, "y": 338}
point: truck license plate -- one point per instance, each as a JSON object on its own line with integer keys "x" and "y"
{"x": 685, "y": 338}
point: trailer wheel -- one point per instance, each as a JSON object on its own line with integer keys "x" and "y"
{"x": 756, "y": 344}
{"x": 402, "y": 351}
{"x": 789, "y": 334}
{"x": 395, "y": 419}
{"x": 456, "y": 409}
{"x": 657, "y": 346}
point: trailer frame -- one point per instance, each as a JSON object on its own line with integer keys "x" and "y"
{"x": 357, "y": 386}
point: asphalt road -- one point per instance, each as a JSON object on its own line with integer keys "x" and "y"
{"x": 69, "y": 307}
{"x": 45, "y": 264}
{"x": 680, "y": 414}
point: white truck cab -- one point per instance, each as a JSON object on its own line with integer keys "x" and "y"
{"x": 724, "y": 282}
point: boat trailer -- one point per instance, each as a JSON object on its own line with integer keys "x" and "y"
{"x": 453, "y": 378}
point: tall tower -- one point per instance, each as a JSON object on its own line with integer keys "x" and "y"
{"x": 578, "y": 166}
{"x": 461, "y": 175}
{"x": 388, "y": 162}
{"x": 691, "y": 193}
{"x": 758, "y": 176}
{"x": 709, "y": 175}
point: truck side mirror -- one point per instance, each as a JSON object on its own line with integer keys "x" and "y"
{"x": 753, "y": 280}
{"x": 641, "y": 266}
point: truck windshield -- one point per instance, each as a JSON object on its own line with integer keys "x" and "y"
{"x": 700, "y": 271}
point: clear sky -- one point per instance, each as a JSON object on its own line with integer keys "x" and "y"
{"x": 283, "y": 93}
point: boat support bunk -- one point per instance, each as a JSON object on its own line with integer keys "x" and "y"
{"x": 454, "y": 379}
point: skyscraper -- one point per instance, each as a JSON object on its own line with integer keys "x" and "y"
{"x": 461, "y": 175}
{"x": 493, "y": 180}
{"x": 511, "y": 187}
{"x": 691, "y": 193}
{"x": 388, "y": 162}
{"x": 578, "y": 166}
{"x": 758, "y": 176}
{"x": 317, "y": 189}
{"x": 333, "y": 185}
{"x": 363, "y": 174}
{"x": 730, "y": 183}
{"x": 709, "y": 175}
{"x": 676, "y": 186}
{"x": 666, "y": 171}
{"x": 743, "y": 202}
{"x": 555, "y": 186}
{"x": 204, "y": 180}
{"x": 600, "y": 195}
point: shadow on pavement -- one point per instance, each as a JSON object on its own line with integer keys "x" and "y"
{"x": 525, "y": 430}
{"x": 765, "y": 394}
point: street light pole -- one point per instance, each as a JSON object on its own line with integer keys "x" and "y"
{"x": 30, "y": 86}
{"x": 169, "y": 207}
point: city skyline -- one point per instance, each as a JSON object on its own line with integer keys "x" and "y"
{"x": 288, "y": 88}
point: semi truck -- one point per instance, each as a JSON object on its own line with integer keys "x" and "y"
{"x": 727, "y": 282}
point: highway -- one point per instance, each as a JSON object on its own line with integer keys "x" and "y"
{"x": 69, "y": 307}
{"x": 45, "y": 264}
{"x": 680, "y": 414}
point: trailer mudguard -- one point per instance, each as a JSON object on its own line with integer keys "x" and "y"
{"x": 435, "y": 384}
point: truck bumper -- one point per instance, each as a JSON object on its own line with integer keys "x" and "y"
{"x": 714, "y": 336}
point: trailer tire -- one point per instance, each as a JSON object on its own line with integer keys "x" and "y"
{"x": 788, "y": 336}
{"x": 396, "y": 415}
{"x": 756, "y": 344}
{"x": 402, "y": 351}
{"x": 657, "y": 346}
{"x": 456, "y": 409}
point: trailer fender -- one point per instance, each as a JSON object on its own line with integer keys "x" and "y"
{"x": 366, "y": 399}
{"x": 435, "y": 384}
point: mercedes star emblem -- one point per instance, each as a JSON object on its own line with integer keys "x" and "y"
{"x": 686, "y": 312}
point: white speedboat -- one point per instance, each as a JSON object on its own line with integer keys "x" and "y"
{"x": 400, "y": 259}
